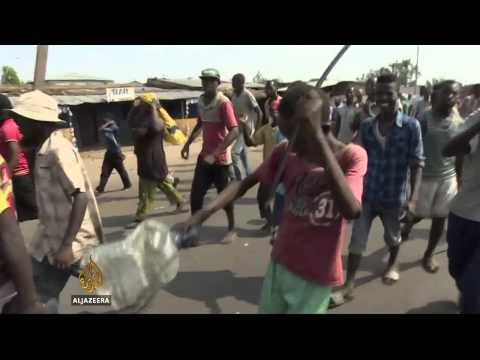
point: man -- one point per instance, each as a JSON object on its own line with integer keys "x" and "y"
{"x": 393, "y": 142}
{"x": 114, "y": 157}
{"x": 472, "y": 102}
{"x": 23, "y": 188}
{"x": 219, "y": 127}
{"x": 69, "y": 220}
{"x": 439, "y": 183}
{"x": 463, "y": 232}
{"x": 15, "y": 262}
{"x": 323, "y": 180}
{"x": 272, "y": 102}
{"x": 248, "y": 111}
{"x": 422, "y": 105}
{"x": 344, "y": 116}
{"x": 148, "y": 131}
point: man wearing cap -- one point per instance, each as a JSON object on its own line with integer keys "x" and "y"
{"x": 219, "y": 127}
{"x": 69, "y": 220}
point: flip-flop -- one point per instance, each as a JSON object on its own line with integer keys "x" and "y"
{"x": 430, "y": 265}
{"x": 336, "y": 299}
{"x": 391, "y": 277}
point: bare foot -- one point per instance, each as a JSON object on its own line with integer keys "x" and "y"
{"x": 430, "y": 265}
{"x": 229, "y": 237}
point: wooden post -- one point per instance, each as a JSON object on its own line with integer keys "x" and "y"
{"x": 40, "y": 66}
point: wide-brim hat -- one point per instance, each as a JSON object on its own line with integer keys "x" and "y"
{"x": 38, "y": 106}
{"x": 210, "y": 74}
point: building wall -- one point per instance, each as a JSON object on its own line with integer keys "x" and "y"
{"x": 87, "y": 118}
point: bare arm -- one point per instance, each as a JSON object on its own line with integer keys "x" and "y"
{"x": 416, "y": 172}
{"x": 246, "y": 131}
{"x": 459, "y": 168}
{"x": 459, "y": 145}
{"x": 13, "y": 151}
{"x": 259, "y": 116}
{"x": 195, "y": 133}
{"x": 234, "y": 191}
{"x": 308, "y": 113}
{"x": 229, "y": 139}
{"x": 17, "y": 261}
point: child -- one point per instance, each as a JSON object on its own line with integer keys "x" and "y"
{"x": 147, "y": 130}
{"x": 268, "y": 136}
{"x": 323, "y": 180}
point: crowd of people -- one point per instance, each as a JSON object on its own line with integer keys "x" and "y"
{"x": 325, "y": 164}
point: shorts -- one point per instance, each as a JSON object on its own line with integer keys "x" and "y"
{"x": 361, "y": 227}
{"x": 435, "y": 197}
{"x": 286, "y": 293}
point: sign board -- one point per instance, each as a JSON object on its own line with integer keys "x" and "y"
{"x": 120, "y": 94}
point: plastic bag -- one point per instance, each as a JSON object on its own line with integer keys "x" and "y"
{"x": 173, "y": 134}
{"x": 134, "y": 269}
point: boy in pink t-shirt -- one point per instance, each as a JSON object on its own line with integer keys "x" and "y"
{"x": 324, "y": 181}
{"x": 23, "y": 188}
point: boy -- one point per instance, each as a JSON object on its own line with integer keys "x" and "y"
{"x": 114, "y": 157}
{"x": 152, "y": 167}
{"x": 219, "y": 127}
{"x": 268, "y": 136}
{"x": 439, "y": 182}
{"x": 393, "y": 142}
{"x": 463, "y": 232}
{"x": 69, "y": 220}
{"x": 324, "y": 181}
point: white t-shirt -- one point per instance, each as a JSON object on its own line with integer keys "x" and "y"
{"x": 467, "y": 202}
{"x": 244, "y": 107}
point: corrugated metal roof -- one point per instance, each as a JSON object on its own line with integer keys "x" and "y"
{"x": 162, "y": 94}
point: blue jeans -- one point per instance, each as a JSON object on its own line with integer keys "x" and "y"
{"x": 240, "y": 160}
{"x": 463, "y": 238}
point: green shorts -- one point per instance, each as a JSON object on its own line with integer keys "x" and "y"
{"x": 286, "y": 293}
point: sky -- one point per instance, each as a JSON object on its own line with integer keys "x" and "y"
{"x": 124, "y": 63}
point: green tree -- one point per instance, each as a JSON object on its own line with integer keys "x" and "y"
{"x": 9, "y": 76}
{"x": 404, "y": 70}
{"x": 259, "y": 79}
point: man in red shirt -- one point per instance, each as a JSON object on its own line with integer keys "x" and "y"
{"x": 324, "y": 183}
{"x": 219, "y": 127}
{"x": 23, "y": 189}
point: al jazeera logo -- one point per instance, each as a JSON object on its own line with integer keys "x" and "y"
{"x": 90, "y": 280}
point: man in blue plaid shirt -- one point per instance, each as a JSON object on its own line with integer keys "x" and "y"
{"x": 393, "y": 142}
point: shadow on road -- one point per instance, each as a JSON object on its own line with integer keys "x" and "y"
{"x": 436, "y": 307}
{"x": 209, "y": 287}
{"x": 213, "y": 234}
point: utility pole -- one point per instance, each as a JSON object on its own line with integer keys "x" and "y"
{"x": 40, "y": 66}
{"x": 416, "y": 70}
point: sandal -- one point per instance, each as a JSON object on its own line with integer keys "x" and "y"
{"x": 391, "y": 277}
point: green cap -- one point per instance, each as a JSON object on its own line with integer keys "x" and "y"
{"x": 210, "y": 74}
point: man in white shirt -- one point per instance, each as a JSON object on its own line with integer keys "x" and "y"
{"x": 463, "y": 235}
{"x": 248, "y": 111}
